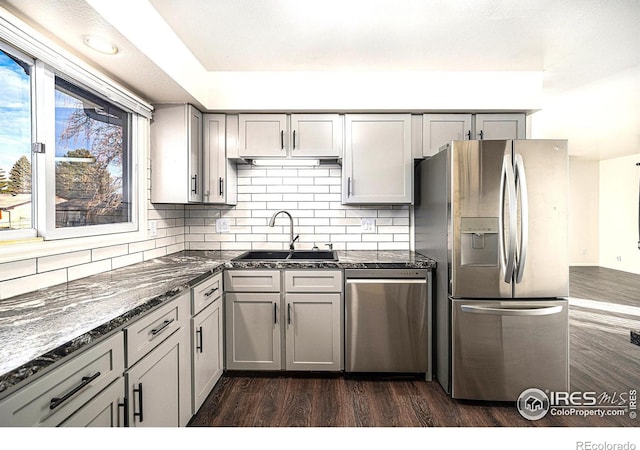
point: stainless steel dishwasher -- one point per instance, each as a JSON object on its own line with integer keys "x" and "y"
{"x": 388, "y": 320}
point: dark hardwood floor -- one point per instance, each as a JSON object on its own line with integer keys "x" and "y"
{"x": 604, "y": 306}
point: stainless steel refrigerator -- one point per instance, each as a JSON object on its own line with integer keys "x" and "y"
{"x": 493, "y": 214}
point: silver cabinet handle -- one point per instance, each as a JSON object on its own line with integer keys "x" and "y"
{"x": 521, "y": 188}
{"x": 199, "y": 339}
{"x": 57, "y": 401}
{"x": 208, "y": 294}
{"x": 221, "y": 182}
{"x": 507, "y": 183}
{"x": 139, "y": 392}
{"x": 538, "y": 311}
{"x": 164, "y": 325}
{"x": 194, "y": 189}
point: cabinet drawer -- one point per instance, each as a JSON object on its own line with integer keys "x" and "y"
{"x": 205, "y": 293}
{"x": 145, "y": 334}
{"x": 313, "y": 281}
{"x": 252, "y": 281}
{"x": 49, "y": 400}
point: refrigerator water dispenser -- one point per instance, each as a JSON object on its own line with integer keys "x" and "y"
{"x": 479, "y": 241}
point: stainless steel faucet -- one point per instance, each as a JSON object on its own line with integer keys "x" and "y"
{"x": 291, "y": 238}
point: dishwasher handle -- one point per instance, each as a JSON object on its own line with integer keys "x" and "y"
{"x": 387, "y": 281}
{"x": 541, "y": 311}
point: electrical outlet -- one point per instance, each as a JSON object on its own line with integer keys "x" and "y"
{"x": 619, "y": 258}
{"x": 366, "y": 225}
{"x": 222, "y": 225}
{"x": 153, "y": 228}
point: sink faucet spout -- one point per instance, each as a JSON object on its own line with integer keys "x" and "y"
{"x": 272, "y": 222}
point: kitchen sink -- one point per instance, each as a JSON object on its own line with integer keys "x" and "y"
{"x": 321, "y": 255}
{"x": 282, "y": 255}
{"x": 263, "y": 254}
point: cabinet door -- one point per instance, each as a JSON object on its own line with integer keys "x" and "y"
{"x": 176, "y": 146}
{"x": 207, "y": 351}
{"x": 253, "y": 331}
{"x": 313, "y": 324}
{"x": 194, "y": 132}
{"x": 318, "y": 135}
{"x": 262, "y": 135}
{"x": 500, "y": 126}
{"x": 440, "y": 129}
{"x": 159, "y": 385}
{"x": 378, "y": 165}
{"x": 107, "y": 409}
{"x": 219, "y": 174}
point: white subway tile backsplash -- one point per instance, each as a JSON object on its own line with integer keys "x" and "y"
{"x": 313, "y": 197}
{"x": 49, "y": 263}
{"x": 109, "y": 252}
{"x": 157, "y": 253}
{"x": 17, "y": 269}
{"x": 127, "y": 260}
{"x": 17, "y": 286}
{"x": 141, "y": 246}
{"x": 85, "y": 270}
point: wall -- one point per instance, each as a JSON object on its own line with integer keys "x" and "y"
{"x": 583, "y": 211}
{"x": 312, "y": 196}
{"x": 619, "y": 178}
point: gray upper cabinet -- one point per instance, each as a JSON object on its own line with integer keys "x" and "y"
{"x": 262, "y": 135}
{"x": 219, "y": 183}
{"x": 316, "y": 135}
{"x": 499, "y": 126}
{"x": 440, "y": 129}
{"x": 176, "y": 149}
{"x": 284, "y": 136}
{"x": 377, "y": 162}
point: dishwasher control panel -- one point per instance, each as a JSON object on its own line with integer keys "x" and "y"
{"x": 386, "y": 273}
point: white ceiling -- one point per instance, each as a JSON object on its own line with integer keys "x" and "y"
{"x": 167, "y": 46}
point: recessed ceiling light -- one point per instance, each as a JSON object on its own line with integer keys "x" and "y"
{"x": 100, "y": 45}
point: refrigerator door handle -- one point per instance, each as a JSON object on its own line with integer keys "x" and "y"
{"x": 541, "y": 311}
{"x": 508, "y": 250}
{"x": 521, "y": 188}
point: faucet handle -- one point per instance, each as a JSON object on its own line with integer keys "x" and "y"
{"x": 291, "y": 244}
{"x": 315, "y": 247}
{"x": 330, "y": 245}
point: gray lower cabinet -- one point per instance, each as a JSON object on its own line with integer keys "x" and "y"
{"x": 107, "y": 409}
{"x": 158, "y": 378}
{"x": 298, "y": 327}
{"x": 85, "y": 382}
{"x": 207, "y": 338}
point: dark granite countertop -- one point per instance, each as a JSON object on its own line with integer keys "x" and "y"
{"x": 40, "y": 328}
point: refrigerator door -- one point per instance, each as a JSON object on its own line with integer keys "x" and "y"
{"x": 480, "y": 250}
{"x": 501, "y": 348}
{"x": 541, "y": 172}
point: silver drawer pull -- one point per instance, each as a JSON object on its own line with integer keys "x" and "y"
{"x": 211, "y": 291}
{"x": 164, "y": 325}
{"x": 57, "y": 401}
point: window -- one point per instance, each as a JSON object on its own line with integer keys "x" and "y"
{"x": 91, "y": 159}
{"x": 81, "y": 179}
{"x": 16, "y": 205}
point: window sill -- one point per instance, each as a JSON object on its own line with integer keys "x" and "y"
{"x": 20, "y": 241}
